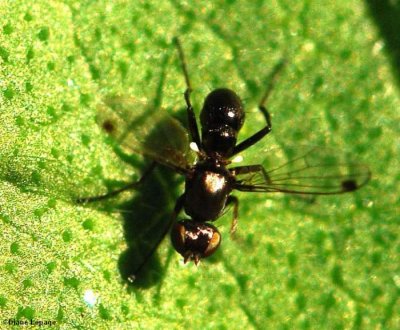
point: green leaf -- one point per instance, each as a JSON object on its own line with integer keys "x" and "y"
{"x": 330, "y": 262}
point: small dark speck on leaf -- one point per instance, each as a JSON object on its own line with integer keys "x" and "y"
{"x": 4, "y": 54}
{"x": 3, "y": 301}
{"x": 85, "y": 139}
{"x": 72, "y": 282}
{"x": 60, "y": 314}
{"x": 8, "y": 29}
{"x": 104, "y": 313}
{"x": 336, "y": 275}
{"x": 14, "y": 248}
{"x": 44, "y": 34}
{"x": 51, "y": 266}
{"x": 27, "y": 312}
{"x": 28, "y": 86}
{"x": 51, "y": 66}
{"x": 88, "y": 224}
{"x": 67, "y": 236}
{"x": 10, "y": 268}
{"x": 30, "y": 54}
{"x": 28, "y": 17}
{"x": 9, "y": 93}
{"x": 27, "y": 283}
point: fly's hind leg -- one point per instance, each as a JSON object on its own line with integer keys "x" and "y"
{"x": 178, "y": 208}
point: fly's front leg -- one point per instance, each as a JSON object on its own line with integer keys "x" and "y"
{"x": 257, "y": 136}
{"x": 194, "y": 131}
{"x": 262, "y": 107}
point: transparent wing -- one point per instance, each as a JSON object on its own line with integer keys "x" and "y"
{"x": 303, "y": 170}
{"x": 144, "y": 130}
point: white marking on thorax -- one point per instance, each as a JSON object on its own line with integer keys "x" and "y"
{"x": 214, "y": 182}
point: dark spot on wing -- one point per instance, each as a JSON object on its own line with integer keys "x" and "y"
{"x": 108, "y": 126}
{"x": 349, "y": 185}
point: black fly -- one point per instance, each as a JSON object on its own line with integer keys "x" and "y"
{"x": 210, "y": 180}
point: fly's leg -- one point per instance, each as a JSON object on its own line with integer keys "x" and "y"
{"x": 235, "y": 201}
{"x": 194, "y": 131}
{"x": 262, "y": 107}
{"x": 251, "y": 169}
{"x": 257, "y": 136}
{"x": 177, "y": 209}
{"x": 132, "y": 185}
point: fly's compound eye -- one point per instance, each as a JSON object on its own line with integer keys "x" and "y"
{"x": 195, "y": 240}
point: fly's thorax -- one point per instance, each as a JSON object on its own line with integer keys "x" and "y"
{"x": 207, "y": 191}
